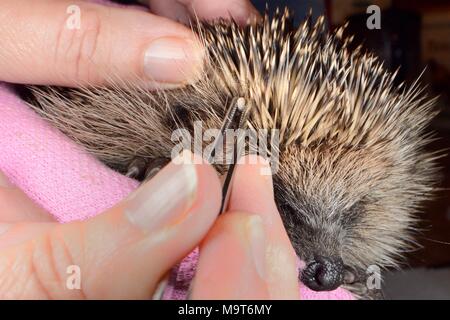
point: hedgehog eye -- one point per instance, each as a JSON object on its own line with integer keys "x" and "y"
{"x": 349, "y": 276}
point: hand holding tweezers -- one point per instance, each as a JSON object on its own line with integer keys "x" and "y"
{"x": 235, "y": 118}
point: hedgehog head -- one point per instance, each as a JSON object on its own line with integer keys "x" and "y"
{"x": 352, "y": 169}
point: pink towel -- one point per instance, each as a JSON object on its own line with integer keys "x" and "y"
{"x": 72, "y": 185}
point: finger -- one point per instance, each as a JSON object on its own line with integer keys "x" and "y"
{"x": 171, "y": 9}
{"x": 252, "y": 191}
{"x": 140, "y": 5}
{"x": 124, "y": 252}
{"x": 72, "y": 42}
{"x": 171, "y": 215}
{"x": 15, "y": 206}
{"x": 232, "y": 260}
{"x": 241, "y": 11}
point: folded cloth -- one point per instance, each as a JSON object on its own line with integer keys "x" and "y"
{"x": 71, "y": 184}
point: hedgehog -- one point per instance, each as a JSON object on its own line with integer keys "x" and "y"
{"x": 353, "y": 170}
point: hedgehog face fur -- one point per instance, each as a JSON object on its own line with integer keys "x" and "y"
{"x": 352, "y": 169}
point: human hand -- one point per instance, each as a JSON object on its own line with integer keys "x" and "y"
{"x": 247, "y": 254}
{"x": 124, "y": 252}
{"x": 66, "y": 42}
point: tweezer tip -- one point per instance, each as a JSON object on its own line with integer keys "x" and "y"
{"x": 240, "y": 104}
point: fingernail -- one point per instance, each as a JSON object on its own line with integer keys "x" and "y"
{"x": 281, "y": 269}
{"x": 257, "y": 240}
{"x": 173, "y": 60}
{"x": 164, "y": 200}
{"x": 245, "y": 14}
{"x": 4, "y": 181}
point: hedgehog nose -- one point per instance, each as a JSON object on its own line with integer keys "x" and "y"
{"x": 323, "y": 274}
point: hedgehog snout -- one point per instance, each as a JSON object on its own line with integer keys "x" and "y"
{"x": 324, "y": 273}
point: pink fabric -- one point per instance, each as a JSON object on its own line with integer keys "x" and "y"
{"x": 52, "y": 170}
{"x": 72, "y": 185}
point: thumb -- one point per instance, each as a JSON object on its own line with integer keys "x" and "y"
{"x": 124, "y": 252}
{"x": 72, "y": 42}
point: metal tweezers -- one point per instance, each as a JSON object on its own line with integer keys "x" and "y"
{"x": 235, "y": 118}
